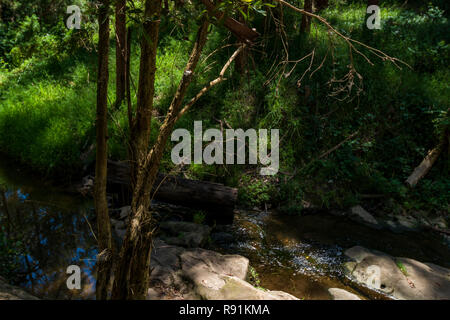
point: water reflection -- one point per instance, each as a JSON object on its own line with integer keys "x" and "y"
{"x": 43, "y": 231}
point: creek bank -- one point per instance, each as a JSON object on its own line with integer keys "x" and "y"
{"x": 402, "y": 278}
{"x": 298, "y": 254}
{"x": 181, "y": 270}
{"x": 10, "y": 292}
{"x": 304, "y": 254}
{"x": 397, "y": 223}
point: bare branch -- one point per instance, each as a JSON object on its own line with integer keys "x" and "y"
{"x": 346, "y": 84}
{"x": 212, "y": 83}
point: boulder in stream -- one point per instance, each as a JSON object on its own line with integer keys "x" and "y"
{"x": 184, "y": 234}
{"x": 360, "y": 214}
{"x": 402, "y": 278}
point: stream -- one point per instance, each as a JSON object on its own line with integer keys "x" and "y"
{"x": 301, "y": 255}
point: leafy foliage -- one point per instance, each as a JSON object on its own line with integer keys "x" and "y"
{"x": 47, "y": 98}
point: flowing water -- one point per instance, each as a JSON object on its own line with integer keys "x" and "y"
{"x": 302, "y": 255}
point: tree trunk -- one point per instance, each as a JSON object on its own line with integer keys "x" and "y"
{"x": 242, "y": 58}
{"x": 321, "y": 4}
{"x": 121, "y": 51}
{"x": 128, "y": 78}
{"x": 104, "y": 259}
{"x": 132, "y": 273}
{"x": 132, "y": 276}
{"x": 305, "y": 26}
{"x": 140, "y": 130}
{"x": 165, "y": 9}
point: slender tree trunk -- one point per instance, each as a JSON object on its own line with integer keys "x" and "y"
{"x": 305, "y": 26}
{"x": 132, "y": 276}
{"x": 121, "y": 51}
{"x": 242, "y": 58}
{"x": 132, "y": 273}
{"x": 165, "y": 9}
{"x": 128, "y": 78}
{"x": 140, "y": 130}
{"x": 104, "y": 259}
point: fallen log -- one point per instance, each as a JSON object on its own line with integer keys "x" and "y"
{"x": 217, "y": 200}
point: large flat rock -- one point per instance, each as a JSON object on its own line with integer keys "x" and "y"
{"x": 402, "y": 278}
{"x": 179, "y": 273}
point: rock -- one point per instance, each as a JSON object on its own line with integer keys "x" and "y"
{"x": 153, "y": 294}
{"x": 402, "y": 278}
{"x": 439, "y": 222}
{"x": 86, "y": 186}
{"x": 179, "y": 273}
{"x": 118, "y": 224}
{"x": 281, "y": 295}
{"x": 358, "y": 253}
{"x": 407, "y": 222}
{"x": 233, "y": 288}
{"x": 120, "y": 229}
{"x": 392, "y": 226}
{"x": 165, "y": 263}
{"x": 199, "y": 265}
{"x": 341, "y": 294}
{"x": 9, "y": 292}
{"x": 88, "y": 181}
{"x": 399, "y": 223}
{"x": 185, "y": 234}
{"x": 125, "y": 212}
{"x": 361, "y": 214}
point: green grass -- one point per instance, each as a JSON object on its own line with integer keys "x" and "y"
{"x": 47, "y": 122}
{"x": 47, "y": 109}
{"x": 402, "y": 268}
{"x": 47, "y": 117}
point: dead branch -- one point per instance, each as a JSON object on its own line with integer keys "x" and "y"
{"x": 323, "y": 155}
{"x": 345, "y": 84}
{"x": 212, "y": 83}
{"x": 425, "y": 166}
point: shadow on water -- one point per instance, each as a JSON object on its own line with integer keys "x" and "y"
{"x": 43, "y": 231}
{"x": 304, "y": 255}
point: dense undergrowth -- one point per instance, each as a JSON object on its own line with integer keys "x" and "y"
{"x": 48, "y": 97}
